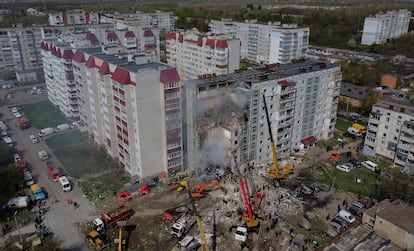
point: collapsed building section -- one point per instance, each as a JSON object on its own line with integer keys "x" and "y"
{"x": 225, "y": 114}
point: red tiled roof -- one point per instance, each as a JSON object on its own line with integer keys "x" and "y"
{"x": 78, "y": 57}
{"x": 56, "y": 52}
{"x": 90, "y": 62}
{"x": 169, "y": 75}
{"x": 210, "y": 42}
{"x": 129, "y": 34}
{"x": 111, "y": 36}
{"x": 309, "y": 140}
{"x": 104, "y": 69}
{"x": 283, "y": 82}
{"x": 121, "y": 76}
{"x": 221, "y": 44}
{"x": 148, "y": 33}
{"x": 44, "y": 46}
{"x": 170, "y": 35}
{"x": 181, "y": 37}
{"x": 91, "y": 37}
{"x": 67, "y": 54}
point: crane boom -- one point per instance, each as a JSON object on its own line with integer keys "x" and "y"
{"x": 198, "y": 219}
{"x": 246, "y": 199}
{"x": 274, "y": 172}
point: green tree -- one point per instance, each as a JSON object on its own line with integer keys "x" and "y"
{"x": 6, "y": 153}
{"x": 368, "y": 101}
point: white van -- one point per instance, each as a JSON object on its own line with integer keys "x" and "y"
{"x": 370, "y": 165}
{"x": 65, "y": 184}
{"x": 346, "y": 216}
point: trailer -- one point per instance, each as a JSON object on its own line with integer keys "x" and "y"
{"x": 108, "y": 219}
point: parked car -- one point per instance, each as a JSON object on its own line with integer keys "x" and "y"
{"x": 17, "y": 202}
{"x": 355, "y": 162}
{"x": 335, "y": 226}
{"x": 344, "y": 168}
{"x": 34, "y": 139}
{"x": 28, "y": 178}
{"x": 16, "y": 157}
{"x": 340, "y": 221}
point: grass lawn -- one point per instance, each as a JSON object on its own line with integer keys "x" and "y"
{"x": 346, "y": 181}
{"x": 78, "y": 160}
{"x": 343, "y": 124}
{"x": 43, "y": 114}
{"x": 67, "y": 139}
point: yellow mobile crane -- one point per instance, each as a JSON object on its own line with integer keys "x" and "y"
{"x": 274, "y": 171}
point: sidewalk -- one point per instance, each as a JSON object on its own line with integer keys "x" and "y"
{"x": 28, "y": 229}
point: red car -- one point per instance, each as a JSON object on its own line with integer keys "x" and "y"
{"x": 53, "y": 173}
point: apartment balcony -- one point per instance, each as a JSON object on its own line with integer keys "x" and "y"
{"x": 373, "y": 125}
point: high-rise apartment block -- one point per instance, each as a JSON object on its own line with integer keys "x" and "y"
{"x": 20, "y": 48}
{"x": 138, "y": 45}
{"x": 225, "y": 115}
{"x": 158, "y": 20}
{"x": 131, "y": 108}
{"x": 266, "y": 43}
{"x": 197, "y": 55}
{"x": 390, "y": 133}
{"x": 383, "y": 26}
{"x": 73, "y": 17}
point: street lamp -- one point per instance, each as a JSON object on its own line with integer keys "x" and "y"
{"x": 15, "y": 220}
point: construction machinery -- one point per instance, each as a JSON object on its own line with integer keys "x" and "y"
{"x": 275, "y": 172}
{"x": 173, "y": 213}
{"x": 198, "y": 192}
{"x": 108, "y": 219}
{"x": 121, "y": 241}
{"x": 249, "y": 219}
{"x": 334, "y": 156}
{"x": 97, "y": 241}
{"x": 198, "y": 220}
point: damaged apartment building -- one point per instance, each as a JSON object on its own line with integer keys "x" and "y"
{"x": 224, "y": 115}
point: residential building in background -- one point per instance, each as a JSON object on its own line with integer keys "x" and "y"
{"x": 195, "y": 55}
{"x": 158, "y": 20}
{"x": 266, "y": 43}
{"x": 73, "y": 17}
{"x": 20, "y": 48}
{"x": 390, "y": 133}
{"x": 225, "y": 114}
{"x": 383, "y": 26}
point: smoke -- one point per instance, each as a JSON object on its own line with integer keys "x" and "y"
{"x": 213, "y": 152}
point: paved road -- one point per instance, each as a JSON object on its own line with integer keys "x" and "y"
{"x": 61, "y": 217}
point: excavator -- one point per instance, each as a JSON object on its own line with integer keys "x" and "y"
{"x": 275, "y": 172}
{"x": 249, "y": 219}
{"x": 198, "y": 192}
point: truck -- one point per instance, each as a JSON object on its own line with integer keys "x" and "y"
{"x": 46, "y": 131}
{"x": 37, "y": 192}
{"x": 188, "y": 243}
{"x": 23, "y": 123}
{"x": 62, "y": 127}
{"x": 182, "y": 225}
{"x": 241, "y": 234}
{"x": 352, "y": 132}
{"x": 17, "y": 203}
{"x": 360, "y": 127}
{"x": 108, "y": 219}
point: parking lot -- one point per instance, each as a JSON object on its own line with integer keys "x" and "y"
{"x": 61, "y": 217}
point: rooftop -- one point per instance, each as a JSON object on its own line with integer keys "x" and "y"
{"x": 397, "y": 105}
{"x": 269, "y": 72}
{"x": 397, "y": 212}
{"x": 353, "y": 91}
